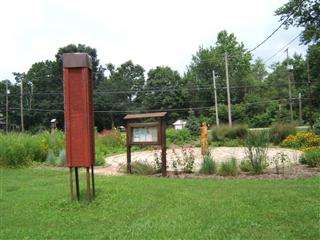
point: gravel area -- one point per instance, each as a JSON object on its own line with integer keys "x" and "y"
{"x": 220, "y": 154}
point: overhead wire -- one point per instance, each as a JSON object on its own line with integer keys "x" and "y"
{"x": 269, "y": 36}
{"x": 161, "y": 109}
{"x": 195, "y": 88}
{"x": 280, "y": 50}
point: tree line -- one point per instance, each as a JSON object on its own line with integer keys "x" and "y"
{"x": 259, "y": 97}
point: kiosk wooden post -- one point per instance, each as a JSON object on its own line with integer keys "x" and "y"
{"x": 151, "y": 133}
{"x": 79, "y": 123}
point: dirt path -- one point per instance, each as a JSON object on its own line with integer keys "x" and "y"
{"x": 220, "y": 154}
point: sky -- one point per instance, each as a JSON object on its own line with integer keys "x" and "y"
{"x": 148, "y": 32}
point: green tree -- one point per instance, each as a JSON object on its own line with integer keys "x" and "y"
{"x": 163, "y": 90}
{"x": 45, "y": 91}
{"x": 97, "y": 69}
{"x": 193, "y": 124}
{"x": 208, "y": 59}
{"x": 120, "y": 92}
{"x": 305, "y": 14}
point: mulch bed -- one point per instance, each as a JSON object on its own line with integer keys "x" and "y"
{"x": 294, "y": 172}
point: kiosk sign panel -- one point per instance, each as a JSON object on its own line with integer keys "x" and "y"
{"x": 144, "y": 133}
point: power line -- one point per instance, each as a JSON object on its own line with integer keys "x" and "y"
{"x": 284, "y": 22}
{"x": 280, "y": 50}
{"x": 203, "y": 87}
{"x": 157, "y": 110}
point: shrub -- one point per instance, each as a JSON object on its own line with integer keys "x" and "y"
{"x": 54, "y": 141}
{"x": 157, "y": 162}
{"x": 301, "y": 140}
{"x": 311, "y": 157}
{"x": 176, "y": 162}
{"x": 51, "y": 158}
{"x": 179, "y": 137}
{"x": 55, "y": 160}
{"x": 208, "y": 165}
{"x": 62, "y": 158}
{"x": 260, "y": 120}
{"x": 227, "y": 143}
{"x": 229, "y": 168}
{"x": 22, "y": 149}
{"x": 101, "y": 152}
{"x": 280, "y": 160}
{"x": 142, "y": 168}
{"x": 245, "y": 166}
{"x": 256, "y": 150}
{"x": 224, "y": 132}
{"x": 280, "y": 131}
{"x": 193, "y": 124}
{"x": 110, "y": 143}
{"x": 185, "y": 162}
{"x": 316, "y": 126}
{"x": 188, "y": 159}
{"x": 232, "y": 143}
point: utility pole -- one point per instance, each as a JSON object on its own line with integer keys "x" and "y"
{"x": 7, "y": 107}
{"x": 228, "y": 89}
{"x": 215, "y": 97}
{"x": 300, "y": 109}
{"x": 21, "y": 105}
{"x": 289, "y": 82}
{"x": 31, "y": 96}
{"x": 310, "y": 112}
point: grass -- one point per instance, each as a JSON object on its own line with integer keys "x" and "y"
{"x": 35, "y": 205}
{"x": 229, "y": 168}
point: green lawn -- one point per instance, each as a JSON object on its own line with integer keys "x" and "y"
{"x": 35, "y": 204}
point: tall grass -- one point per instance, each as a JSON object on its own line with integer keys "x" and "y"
{"x": 279, "y": 132}
{"x": 22, "y": 149}
{"x": 108, "y": 144}
{"x": 256, "y": 150}
{"x": 224, "y": 132}
{"x": 179, "y": 137}
{"x": 229, "y": 168}
{"x": 208, "y": 165}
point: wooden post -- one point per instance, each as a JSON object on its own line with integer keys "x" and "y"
{"x": 88, "y": 184}
{"x": 77, "y": 183}
{"x": 21, "y": 105}
{"x": 215, "y": 97}
{"x": 129, "y": 159}
{"x": 163, "y": 148}
{"x": 92, "y": 179}
{"x": 300, "y": 109}
{"x": 228, "y": 90}
{"x": 71, "y": 184}
{"x": 7, "y": 107}
{"x": 79, "y": 119}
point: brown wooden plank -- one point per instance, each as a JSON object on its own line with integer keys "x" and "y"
{"x": 145, "y": 115}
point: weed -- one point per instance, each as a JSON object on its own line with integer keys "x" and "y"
{"x": 280, "y": 160}
{"x": 280, "y": 131}
{"x": 157, "y": 162}
{"x": 229, "y": 168}
{"x": 224, "y": 132}
{"x": 188, "y": 159}
{"x": 245, "y": 166}
{"x": 142, "y": 168}
{"x": 208, "y": 165}
{"x": 311, "y": 157}
{"x": 256, "y": 150}
{"x": 179, "y": 137}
